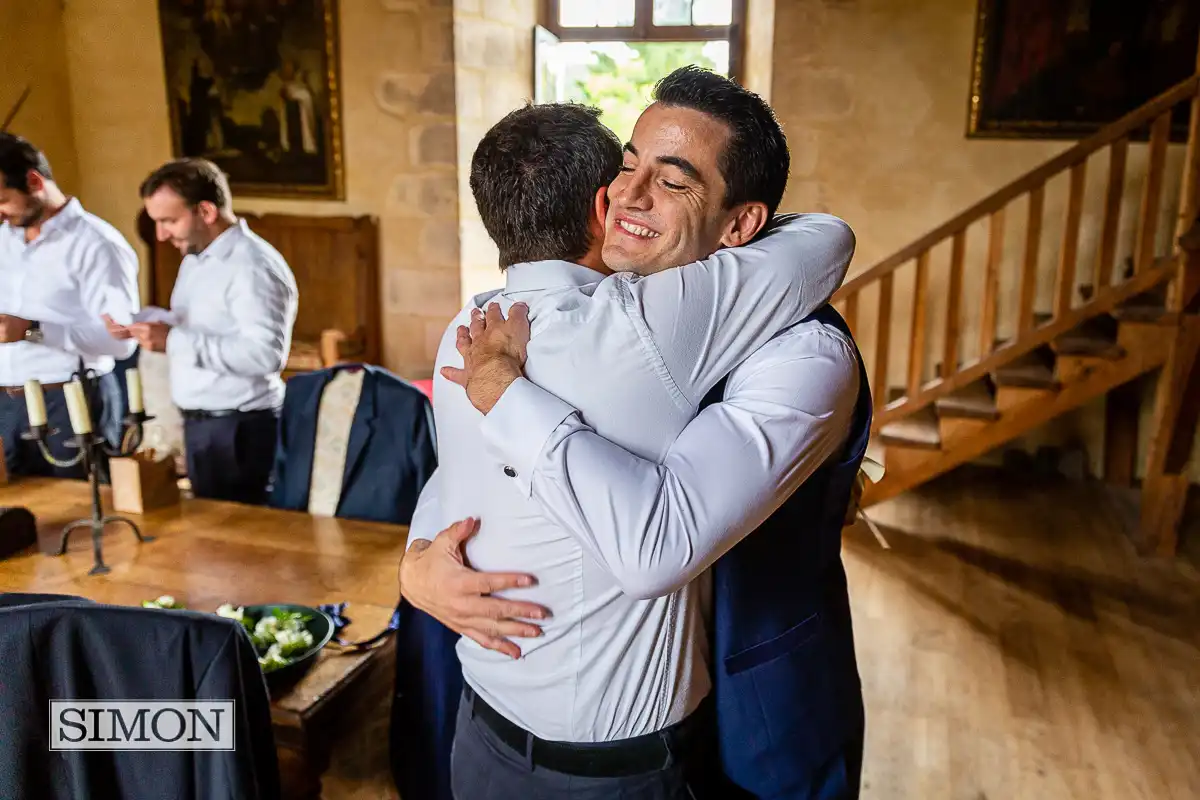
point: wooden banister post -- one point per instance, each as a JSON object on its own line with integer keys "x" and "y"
{"x": 1176, "y": 414}
{"x": 1177, "y": 395}
{"x": 1183, "y": 292}
{"x": 958, "y": 250}
{"x": 883, "y": 341}
{"x": 916, "y": 341}
{"x": 1189, "y": 190}
{"x": 1147, "y": 228}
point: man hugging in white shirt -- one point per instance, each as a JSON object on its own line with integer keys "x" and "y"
{"x": 61, "y": 269}
{"x": 608, "y": 696}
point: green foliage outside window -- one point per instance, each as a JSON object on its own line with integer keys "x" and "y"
{"x": 621, "y": 86}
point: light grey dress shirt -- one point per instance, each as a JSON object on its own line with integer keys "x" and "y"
{"x": 620, "y": 657}
{"x": 785, "y": 410}
{"x": 77, "y": 269}
{"x": 234, "y": 305}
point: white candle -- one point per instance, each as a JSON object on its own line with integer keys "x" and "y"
{"x": 81, "y": 420}
{"x": 133, "y": 382}
{"x": 35, "y": 404}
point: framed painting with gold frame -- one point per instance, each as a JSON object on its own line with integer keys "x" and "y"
{"x": 1062, "y": 69}
{"x": 254, "y": 87}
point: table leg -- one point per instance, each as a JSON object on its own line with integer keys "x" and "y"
{"x": 300, "y": 771}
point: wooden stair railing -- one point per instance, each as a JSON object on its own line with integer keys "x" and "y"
{"x": 1033, "y": 331}
{"x": 1144, "y": 320}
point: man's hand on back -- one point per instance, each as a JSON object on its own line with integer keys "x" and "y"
{"x": 434, "y": 577}
{"x": 493, "y": 351}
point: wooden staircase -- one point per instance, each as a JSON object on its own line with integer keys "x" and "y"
{"x": 1096, "y": 336}
{"x": 1016, "y": 397}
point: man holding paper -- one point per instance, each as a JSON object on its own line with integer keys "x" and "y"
{"x": 227, "y": 334}
{"x": 61, "y": 269}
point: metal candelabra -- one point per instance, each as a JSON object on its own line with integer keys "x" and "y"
{"x": 91, "y": 447}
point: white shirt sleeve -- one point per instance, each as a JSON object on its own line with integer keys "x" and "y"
{"x": 704, "y": 318}
{"x": 656, "y": 527}
{"x": 427, "y": 516}
{"x": 264, "y": 304}
{"x": 107, "y": 285}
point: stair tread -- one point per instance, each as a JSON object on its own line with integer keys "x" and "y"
{"x": 1096, "y": 336}
{"x": 1035, "y": 370}
{"x": 919, "y": 429}
{"x": 1145, "y": 307}
{"x": 913, "y": 471}
{"x": 975, "y": 400}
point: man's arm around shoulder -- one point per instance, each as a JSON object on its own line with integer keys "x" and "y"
{"x": 706, "y": 317}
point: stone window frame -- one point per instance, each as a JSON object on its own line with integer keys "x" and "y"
{"x": 644, "y": 30}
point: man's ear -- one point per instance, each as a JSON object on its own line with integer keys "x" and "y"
{"x": 598, "y": 222}
{"x": 208, "y": 212}
{"x": 744, "y": 224}
{"x": 34, "y": 182}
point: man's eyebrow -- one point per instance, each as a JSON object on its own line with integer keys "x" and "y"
{"x": 629, "y": 148}
{"x": 687, "y": 167}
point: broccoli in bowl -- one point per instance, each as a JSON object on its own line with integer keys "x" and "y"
{"x": 283, "y": 635}
{"x": 280, "y": 635}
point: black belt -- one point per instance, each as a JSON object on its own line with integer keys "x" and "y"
{"x": 196, "y": 414}
{"x": 641, "y": 754}
{"x": 18, "y": 391}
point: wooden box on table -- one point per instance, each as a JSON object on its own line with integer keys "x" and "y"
{"x": 143, "y": 482}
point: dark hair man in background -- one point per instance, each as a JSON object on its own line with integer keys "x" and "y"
{"x": 61, "y": 269}
{"x": 227, "y": 334}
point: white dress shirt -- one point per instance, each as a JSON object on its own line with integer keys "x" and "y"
{"x": 636, "y": 357}
{"x": 234, "y": 304}
{"x": 785, "y": 410}
{"x": 77, "y": 269}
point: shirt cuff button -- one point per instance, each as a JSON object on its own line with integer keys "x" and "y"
{"x": 510, "y": 472}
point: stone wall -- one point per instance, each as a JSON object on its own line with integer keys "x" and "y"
{"x": 873, "y": 97}
{"x": 759, "y": 47}
{"x": 398, "y": 101}
{"x": 32, "y": 43}
{"x": 493, "y": 45}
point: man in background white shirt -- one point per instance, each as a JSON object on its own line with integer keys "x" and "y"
{"x": 227, "y": 334}
{"x": 61, "y": 268}
{"x": 620, "y": 670}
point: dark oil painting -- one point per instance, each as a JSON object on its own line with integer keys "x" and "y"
{"x": 253, "y": 86}
{"x": 1065, "y": 68}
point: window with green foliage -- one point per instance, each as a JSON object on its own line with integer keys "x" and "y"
{"x": 610, "y": 54}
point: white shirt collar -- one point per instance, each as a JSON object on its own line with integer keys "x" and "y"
{"x": 534, "y": 275}
{"x": 70, "y": 211}
{"x": 222, "y": 246}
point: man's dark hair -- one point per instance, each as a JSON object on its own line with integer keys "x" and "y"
{"x": 535, "y": 175}
{"x": 17, "y": 157}
{"x": 755, "y": 162}
{"x": 196, "y": 180}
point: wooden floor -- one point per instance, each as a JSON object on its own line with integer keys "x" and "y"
{"x": 1012, "y": 647}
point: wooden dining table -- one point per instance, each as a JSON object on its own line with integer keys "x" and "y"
{"x": 206, "y": 553}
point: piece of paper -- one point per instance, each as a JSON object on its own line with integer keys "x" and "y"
{"x": 156, "y": 314}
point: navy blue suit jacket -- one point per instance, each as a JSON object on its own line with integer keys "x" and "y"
{"x": 71, "y": 648}
{"x": 391, "y": 453}
{"x": 789, "y": 704}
